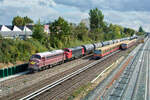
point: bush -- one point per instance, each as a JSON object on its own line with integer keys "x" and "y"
{"x": 18, "y": 50}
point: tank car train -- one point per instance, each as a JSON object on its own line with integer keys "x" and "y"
{"x": 40, "y": 61}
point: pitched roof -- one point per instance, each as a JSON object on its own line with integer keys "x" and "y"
{"x": 10, "y": 27}
{"x": 4, "y": 28}
{"x": 26, "y": 29}
{"x": 30, "y": 27}
{"x": 15, "y": 28}
{"x": 21, "y": 27}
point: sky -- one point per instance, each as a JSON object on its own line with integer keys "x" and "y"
{"x": 128, "y": 13}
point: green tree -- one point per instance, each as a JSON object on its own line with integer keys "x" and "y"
{"x": 129, "y": 31}
{"x": 18, "y": 21}
{"x": 60, "y": 26}
{"x": 117, "y": 32}
{"x": 21, "y": 21}
{"x": 141, "y": 29}
{"x": 38, "y": 32}
{"x": 82, "y": 32}
{"x": 27, "y": 20}
{"x": 96, "y": 19}
{"x": 60, "y": 32}
{"x": 97, "y": 35}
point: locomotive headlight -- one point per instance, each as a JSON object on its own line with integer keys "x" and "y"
{"x": 32, "y": 62}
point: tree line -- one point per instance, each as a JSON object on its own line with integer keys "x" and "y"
{"x": 62, "y": 35}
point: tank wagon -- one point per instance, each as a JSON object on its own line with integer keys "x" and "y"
{"x": 89, "y": 48}
{"x": 97, "y": 45}
{"x": 105, "y": 43}
{"x": 116, "y": 41}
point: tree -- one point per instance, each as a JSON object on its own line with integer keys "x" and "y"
{"x": 129, "y": 31}
{"x": 38, "y": 32}
{"x": 117, "y": 31}
{"x": 82, "y": 32}
{"x": 18, "y": 21}
{"x": 60, "y": 26}
{"x": 27, "y": 20}
{"x": 96, "y": 19}
{"x": 141, "y": 29}
{"x": 60, "y": 32}
{"x": 21, "y": 21}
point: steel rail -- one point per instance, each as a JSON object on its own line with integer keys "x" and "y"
{"x": 42, "y": 90}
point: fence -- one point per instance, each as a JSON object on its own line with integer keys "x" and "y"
{"x": 4, "y": 72}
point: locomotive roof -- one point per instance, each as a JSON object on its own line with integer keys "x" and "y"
{"x": 127, "y": 42}
{"x": 43, "y": 54}
{"x": 57, "y": 51}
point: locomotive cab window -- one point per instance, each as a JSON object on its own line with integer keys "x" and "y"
{"x": 36, "y": 56}
{"x": 97, "y": 52}
{"x": 67, "y": 50}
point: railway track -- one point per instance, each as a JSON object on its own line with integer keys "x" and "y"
{"x": 141, "y": 89}
{"x": 65, "y": 89}
{"x": 74, "y": 82}
{"x": 42, "y": 90}
{"x": 133, "y": 83}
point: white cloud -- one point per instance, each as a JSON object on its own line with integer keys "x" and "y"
{"x": 25, "y": 8}
{"x": 130, "y": 19}
{"x": 120, "y": 5}
{"x": 123, "y": 12}
{"x": 25, "y": 3}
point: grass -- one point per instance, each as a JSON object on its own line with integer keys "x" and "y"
{"x": 81, "y": 90}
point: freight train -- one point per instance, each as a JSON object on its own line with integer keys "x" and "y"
{"x": 44, "y": 60}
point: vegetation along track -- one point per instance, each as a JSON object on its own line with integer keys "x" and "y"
{"x": 65, "y": 89}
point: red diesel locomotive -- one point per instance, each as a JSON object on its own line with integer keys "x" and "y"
{"x": 40, "y": 61}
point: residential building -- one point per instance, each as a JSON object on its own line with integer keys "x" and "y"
{"x": 46, "y": 29}
{"x": 13, "y": 32}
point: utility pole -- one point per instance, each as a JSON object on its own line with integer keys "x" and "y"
{"x": 25, "y": 33}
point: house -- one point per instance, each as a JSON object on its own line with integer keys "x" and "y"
{"x": 46, "y": 29}
{"x": 13, "y": 32}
